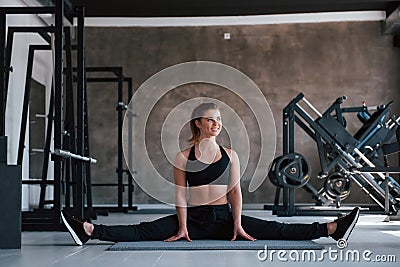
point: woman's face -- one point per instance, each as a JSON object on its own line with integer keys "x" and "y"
{"x": 210, "y": 124}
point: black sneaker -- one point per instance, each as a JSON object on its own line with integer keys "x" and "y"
{"x": 75, "y": 228}
{"x": 345, "y": 225}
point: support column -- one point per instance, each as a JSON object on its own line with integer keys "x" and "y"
{"x": 120, "y": 121}
{"x": 80, "y": 204}
{"x": 10, "y": 176}
{"x": 2, "y": 77}
{"x": 58, "y": 107}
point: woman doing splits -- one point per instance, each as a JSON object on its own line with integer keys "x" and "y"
{"x": 214, "y": 207}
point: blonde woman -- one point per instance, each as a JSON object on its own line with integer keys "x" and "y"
{"x": 213, "y": 209}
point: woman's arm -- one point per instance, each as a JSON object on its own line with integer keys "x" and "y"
{"x": 180, "y": 198}
{"x": 235, "y": 197}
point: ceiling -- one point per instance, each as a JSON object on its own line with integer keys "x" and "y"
{"x": 188, "y": 8}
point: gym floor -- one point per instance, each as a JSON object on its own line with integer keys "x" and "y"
{"x": 382, "y": 239}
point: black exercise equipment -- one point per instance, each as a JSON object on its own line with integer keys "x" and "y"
{"x": 291, "y": 170}
{"x": 72, "y": 174}
{"x": 389, "y": 184}
{"x": 117, "y": 77}
{"x": 343, "y": 158}
{"x": 337, "y": 186}
{"x": 271, "y": 173}
{"x": 47, "y": 219}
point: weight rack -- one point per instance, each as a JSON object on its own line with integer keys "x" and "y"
{"x": 117, "y": 77}
{"x": 62, "y": 9}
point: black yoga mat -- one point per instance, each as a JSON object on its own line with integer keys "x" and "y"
{"x": 217, "y": 245}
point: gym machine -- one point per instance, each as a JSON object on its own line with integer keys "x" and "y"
{"x": 343, "y": 158}
{"x": 57, "y": 37}
{"x": 11, "y": 175}
{"x": 117, "y": 77}
{"x": 71, "y": 156}
{"x": 67, "y": 155}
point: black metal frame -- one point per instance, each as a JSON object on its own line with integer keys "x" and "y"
{"x": 328, "y": 132}
{"x": 45, "y": 219}
{"x": 43, "y": 183}
{"x": 118, "y": 78}
{"x": 68, "y": 173}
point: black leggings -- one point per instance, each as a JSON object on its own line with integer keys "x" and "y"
{"x": 209, "y": 222}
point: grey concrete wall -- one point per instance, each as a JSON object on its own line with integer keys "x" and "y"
{"x": 324, "y": 60}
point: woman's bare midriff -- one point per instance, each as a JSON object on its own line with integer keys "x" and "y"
{"x": 208, "y": 195}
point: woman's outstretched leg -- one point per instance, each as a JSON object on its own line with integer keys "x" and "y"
{"x": 159, "y": 229}
{"x": 339, "y": 229}
{"x": 262, "y": 229}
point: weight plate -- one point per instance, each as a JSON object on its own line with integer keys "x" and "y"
{"x": 336, "y": 184}
{"x": 271, "y": 173}
{"x": 292, "y": 170}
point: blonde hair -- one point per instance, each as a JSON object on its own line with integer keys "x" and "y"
{"x": 197, "y": 114}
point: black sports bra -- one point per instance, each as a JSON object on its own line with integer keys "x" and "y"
{"x": 199, "y": 173}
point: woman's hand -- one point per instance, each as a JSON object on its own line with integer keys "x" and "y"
{"x": 239, "y": 231}
{"x": 182, "y": 233}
